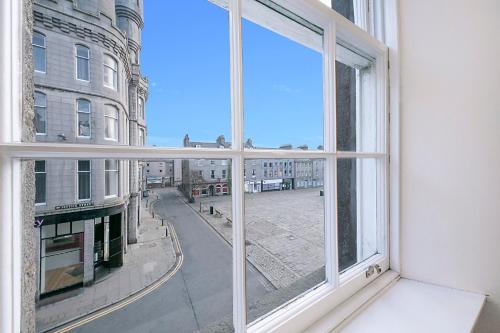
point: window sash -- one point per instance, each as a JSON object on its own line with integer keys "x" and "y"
{"x": 110, "y": 72}
{"x": 111, "y": 178}
{"x": 83, "y": 122}
{"x": 40, "y": 113}
{"x": 334, "y": 27}
{"x": 84, "y": 179}
{"x": 40, "y": 182}
{"x": 82, "y": 63}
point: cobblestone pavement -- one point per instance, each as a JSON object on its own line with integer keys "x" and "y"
{"x": 284, "y": 231}
{"x": 143, "y": 264}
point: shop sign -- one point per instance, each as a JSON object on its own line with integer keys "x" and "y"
{"x": 76, "y": 205}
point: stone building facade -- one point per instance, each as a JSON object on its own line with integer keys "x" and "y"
{"x": 202, "y": 177}
{"x": 88, "y": 89}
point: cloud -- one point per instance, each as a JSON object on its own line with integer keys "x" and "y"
{"x": 284, "y": 88}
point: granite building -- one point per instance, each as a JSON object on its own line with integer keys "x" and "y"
{"x": 88, "y": 90}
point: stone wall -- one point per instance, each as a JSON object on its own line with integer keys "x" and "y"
{"x": 29, "y": 248}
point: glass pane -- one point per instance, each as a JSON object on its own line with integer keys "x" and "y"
{"x": 344, "y": 8}
{"x": 83, "y": 124}
{"x": 83, "y": 105}
{"x": 39, "y": 59}
{"x": 82, "y": 52}
{"x": 84, "y": 185}
{"x": 62, "y": 264}
{"x": 93, "y": 267}
{"x": 188, "y": 73}
{"x": 38, "y": 39}
{"x": 283, "y": 89}
{"x": 284, "y": 220}
{"x": 41, "y": 187}
{"x": 82, "y": 69}
{"x": 359, "y": 184}
{"x": 356, "y": 102}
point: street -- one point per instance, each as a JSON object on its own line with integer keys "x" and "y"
{"x": 198, "y": 295}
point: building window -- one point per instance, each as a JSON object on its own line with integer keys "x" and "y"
{"x": 40, "y": 183}
{"x": 83, "y": 117}
{"x": 111, "y": 171}
{"x": 40, "y": 113}
{"x": 141, "y": 107}
{"x": 224, "y": 173}
{"x": 212, "y": 174}
{"x": 110, "y": 69}
{"x": 200, "y": 173}
{"x": 39, "y": 53}
{"x": 141, "y": 137}
{"x": 111, "y": 123}
{"x": 82, "y": 63}
{"x": 83, "y": 180}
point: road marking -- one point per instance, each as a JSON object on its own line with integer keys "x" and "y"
{"x": 121, "y": 304}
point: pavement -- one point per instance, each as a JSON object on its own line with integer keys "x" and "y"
{"x": 144, "y": 263}
{"x": 198, "y": 297}
{"x": 284, "y": 231}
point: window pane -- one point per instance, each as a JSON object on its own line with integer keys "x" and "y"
{"x": 39, "y": 59}
{"x": 283, "y": 89}
{"x": 344, "y": 8}
{"x": 359, "y": 184}
{"x": 82, "y": 52}
{"x": 356, "y": 104}
{"x": 189, "y": 95}
{"x": 285, "y": 239}
{"x": 63, "y": 228}
{"x": 83, "y": 165}
{"x": 40, "y": 113}
{"x": 38, "y": 39}
{"x": 82, "y": 64}
{"x": 40, "y": 182}
{"x": 83, "y": 107}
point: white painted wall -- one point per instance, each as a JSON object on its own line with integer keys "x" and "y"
{"x": 450, "y": 146}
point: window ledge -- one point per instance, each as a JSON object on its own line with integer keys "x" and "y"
{"x": 407, "y": 306}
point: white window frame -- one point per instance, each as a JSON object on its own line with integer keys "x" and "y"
{"x": 114, "y": 72}
{"x": 140, "y": 104}
{"x": 80, "y": 57}
{"x": 78, "y": 112}
{"x": 307, "y": 308}
{"x": 78, "y": 181}
{"x": 117, "y": 175}
{"x": 45, "y": 111}
{"x": 44, "y": 47}
{"x": 116, "y": 122}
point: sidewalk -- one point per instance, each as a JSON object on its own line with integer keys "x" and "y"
{"x": 144, "y": 263}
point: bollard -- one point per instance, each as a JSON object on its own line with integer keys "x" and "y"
{"x": 212, "y": 210}
{"x": 321, "y": 193}
{"x": 200, "y": 207}
{"x": 162, "y": 223}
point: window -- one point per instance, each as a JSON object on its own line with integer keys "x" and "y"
{"x": 82, "y": 63}
{"x": 354, "y": 168}
{"x": 40, "y": 113}
{"x": 110, "y": 70}
{"x": 141, "y": 107}
{"x": 40, "y": 182}
{"x": 83, "y": 180}
{"x": 111, "y": 123}
{"x": 224, "y": 171}
{"x": 141, "y": 137}
{"x": 39, "y": 53}
{"x": 111, "y": 178}
{"x": 83, "y": 117}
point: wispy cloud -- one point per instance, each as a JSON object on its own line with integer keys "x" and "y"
{"x": 284, "y": 88}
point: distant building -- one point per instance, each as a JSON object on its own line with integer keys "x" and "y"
{"x": 213, "y": 177}
{"x": 159, "y": 170}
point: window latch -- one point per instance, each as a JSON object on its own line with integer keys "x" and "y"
{"x": 372, "y": 269}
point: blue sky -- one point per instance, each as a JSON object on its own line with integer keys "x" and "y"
{"x": 185, "y": 55}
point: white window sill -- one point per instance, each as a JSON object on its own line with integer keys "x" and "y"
{"x": 405, "y": 306}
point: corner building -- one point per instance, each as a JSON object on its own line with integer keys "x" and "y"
{"x": 88, "y": 90}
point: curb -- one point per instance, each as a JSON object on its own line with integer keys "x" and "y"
{"x": 107, "y": 309}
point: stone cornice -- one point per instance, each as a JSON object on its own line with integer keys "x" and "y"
{"x": 129, "y": 13}
{"x": 69, "y": 28}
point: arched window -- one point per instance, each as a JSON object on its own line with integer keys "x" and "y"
{"x": 40, "y": 113}
{"x": 82, "y": 63}
{"x": 110, "y": 69}
{"x": 39, "y": 49}
{"x": 83, "y": 118}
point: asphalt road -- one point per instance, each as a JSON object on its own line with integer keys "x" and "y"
{"x": 199, "y": 294}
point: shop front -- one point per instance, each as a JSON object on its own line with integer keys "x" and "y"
{"x": 74, "y": 244}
